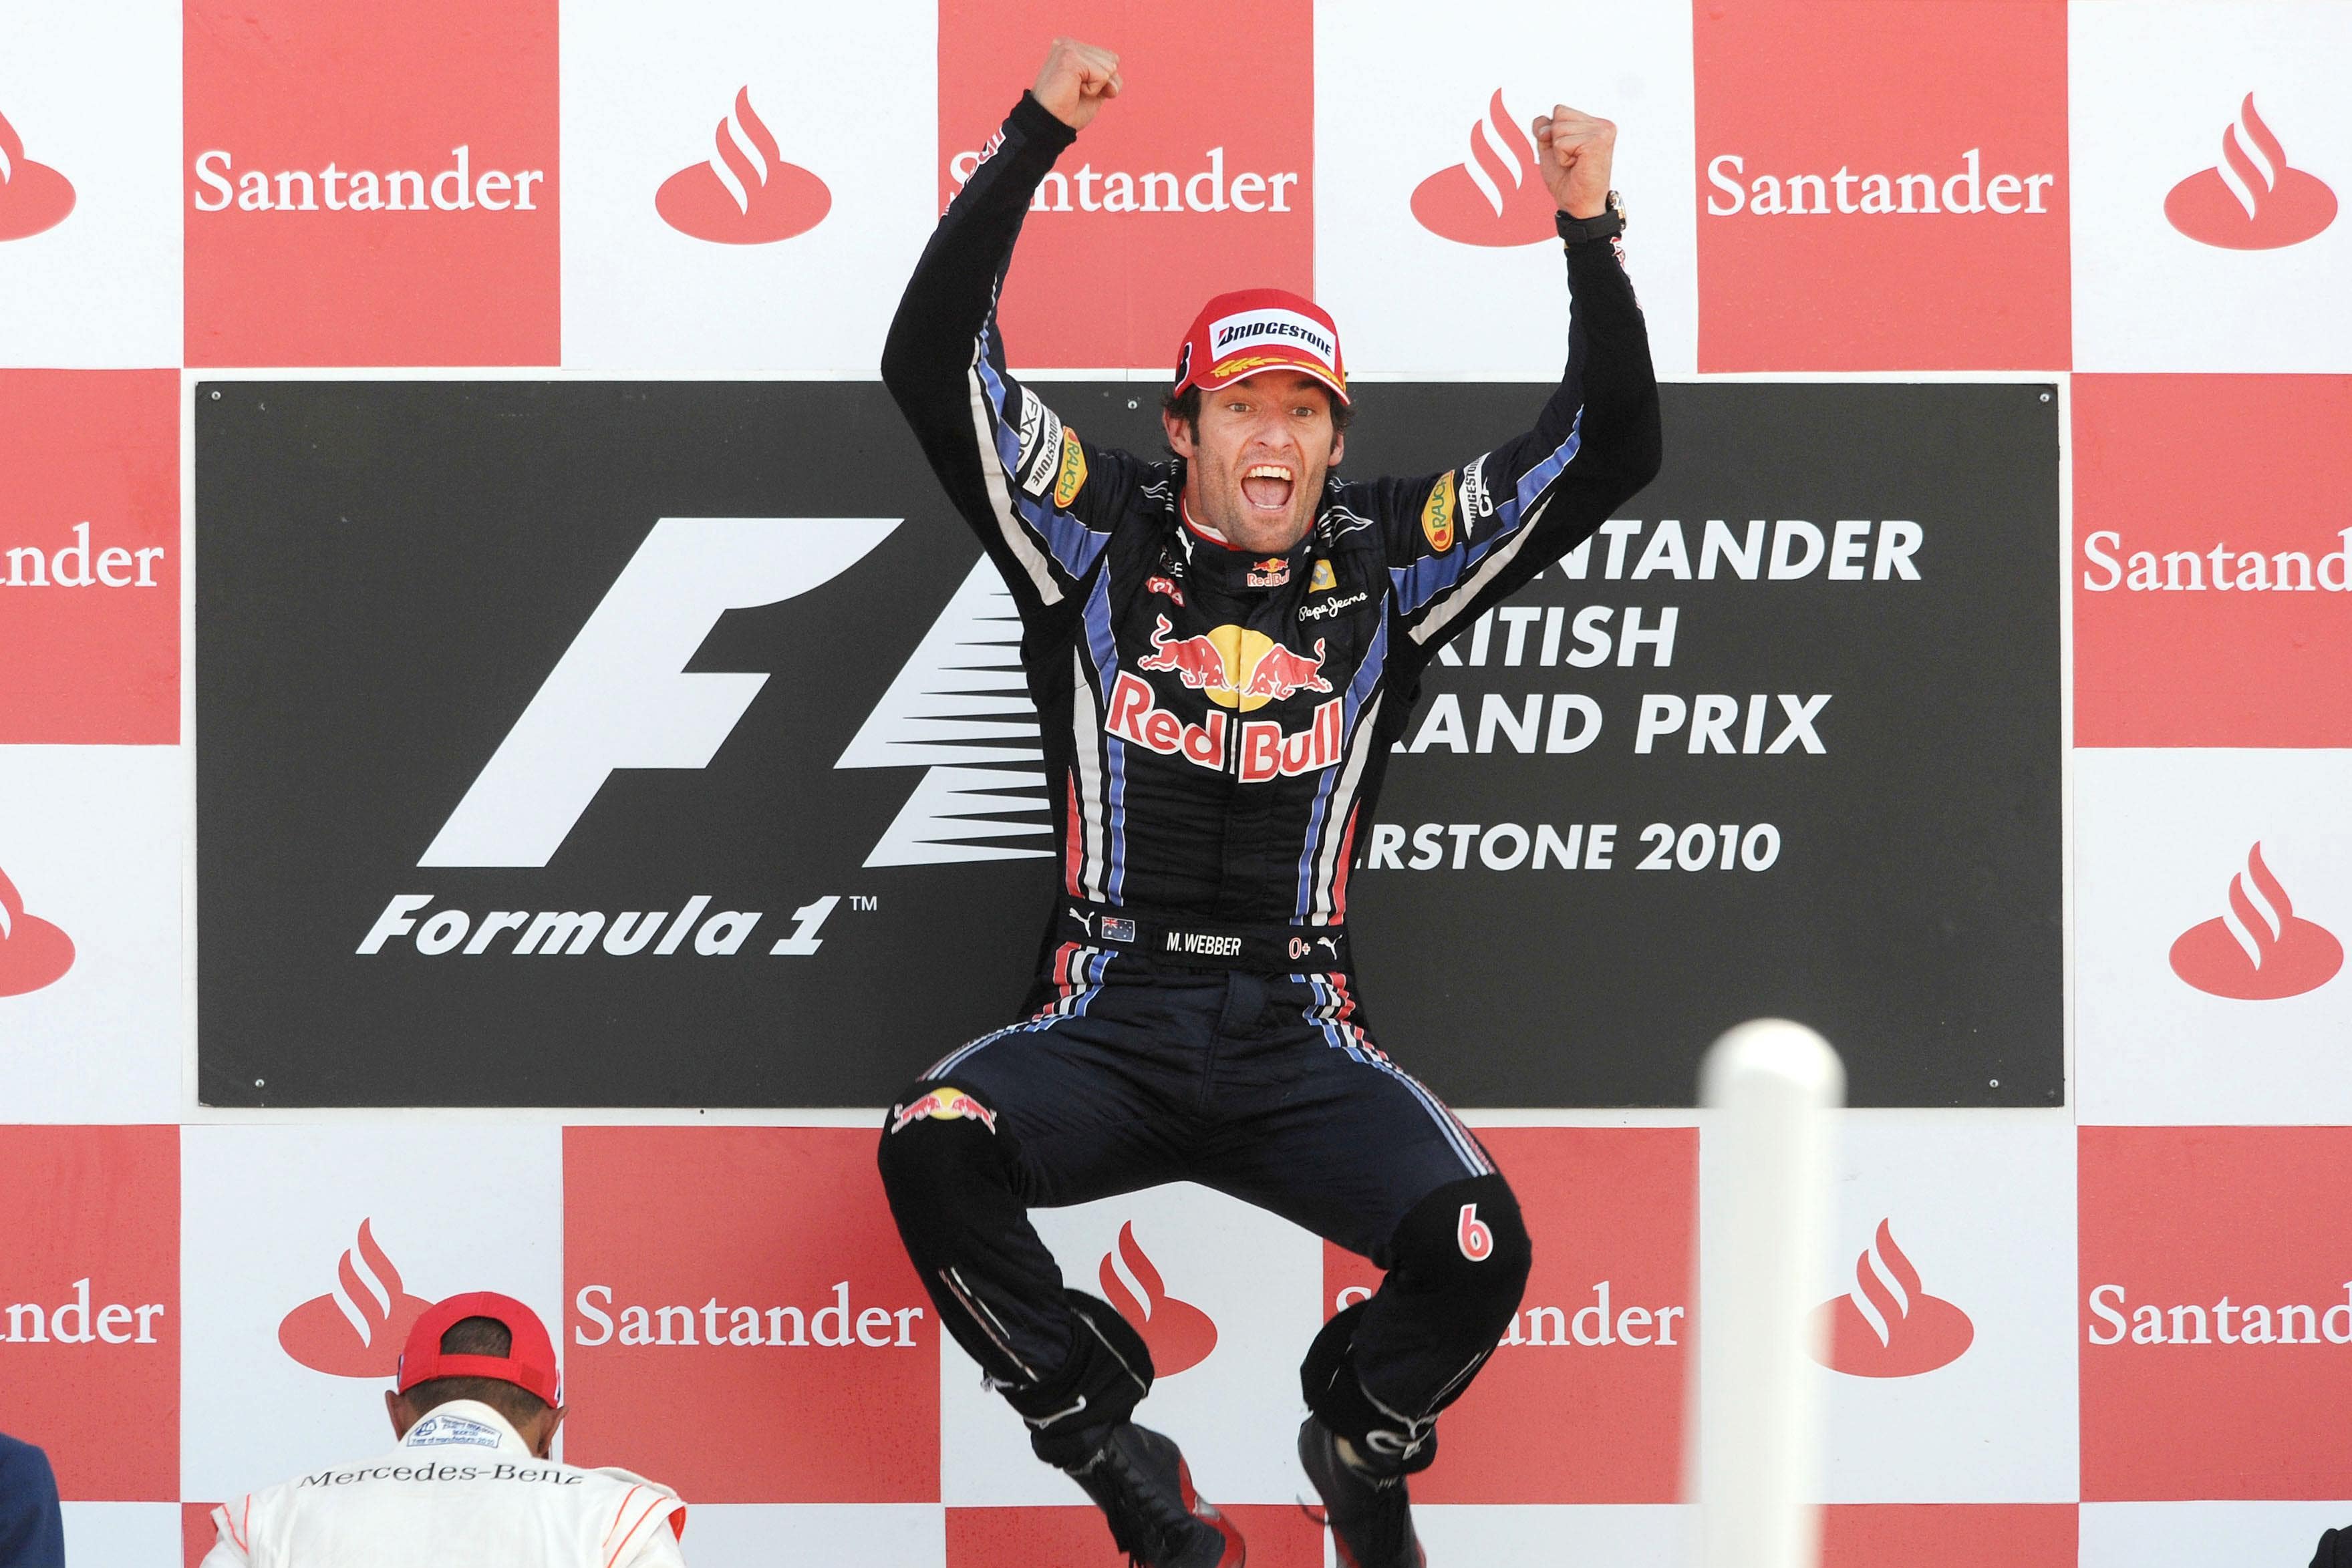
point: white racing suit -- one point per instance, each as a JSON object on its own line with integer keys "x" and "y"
{"x": 462, "y": 1490}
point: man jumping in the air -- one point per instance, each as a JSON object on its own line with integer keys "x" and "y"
{"x": 1221, "y": 650}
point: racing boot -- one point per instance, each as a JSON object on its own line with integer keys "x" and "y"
{"x": 1370, "y": 1515}
{"x": 1141, "y": 1483}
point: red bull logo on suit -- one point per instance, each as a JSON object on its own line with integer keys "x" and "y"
{"x": 1234, "y": 667}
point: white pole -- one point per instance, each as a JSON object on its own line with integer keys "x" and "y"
{"x": 1754, "y": 1448}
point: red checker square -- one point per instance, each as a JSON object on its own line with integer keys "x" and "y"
{"x": 2015, "y": 1535}
{"x": 1582, "y": 1402}
{"x": 2215, "y": 1314}
{"x": 1197, "y": 179}
{"x": 1881, "y": 187}
{"x": 372, "y": 184}
{"x": 89, "y": 557}
{"x": 90, "y": 1306}
{"x": 752, "y": 1271}
{"x": 1279, "y": 1535}
{"x": 197, "y": 1532}
{"x": 2212, "y": 560}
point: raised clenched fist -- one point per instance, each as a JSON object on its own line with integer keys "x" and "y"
{"x": 1574, "y": 149}
{"x": 1075, "y": 80}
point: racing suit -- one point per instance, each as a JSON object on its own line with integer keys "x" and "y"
{"x": 462, "y": 1490}
{"x": 1216, "y": 725}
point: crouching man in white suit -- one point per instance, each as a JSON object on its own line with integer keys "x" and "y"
{"x": 470, "y": 1485}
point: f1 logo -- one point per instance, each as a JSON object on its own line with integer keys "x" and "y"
{"x": 620, "y": 698}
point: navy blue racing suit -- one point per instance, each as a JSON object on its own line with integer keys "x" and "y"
{"x": 1216, "y": 725}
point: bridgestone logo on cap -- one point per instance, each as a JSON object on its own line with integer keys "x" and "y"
{"x": 1285, "y": 327}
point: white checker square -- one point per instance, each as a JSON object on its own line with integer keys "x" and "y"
{"x": 815, "y": 1536}
{"x": 2166, "y": 843}
{"x": 2155, "y": 89}
{"x": 91, "y": 838}
{"x": 270, "y": 1244}
{"x": 1259, "y": 1281}
{"x": 2204, "y": 1534}
{"x": 1401, "y": 103}
{"x": 1969, "y": 1396}
{"x": 1548, "y": 1535}
{"x": 649, "y": 94}
{"x": 93, "y": 94}
{"x": 122, "y": 1534}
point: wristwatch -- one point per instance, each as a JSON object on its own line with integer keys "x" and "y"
{"x": 1610, "y": 223}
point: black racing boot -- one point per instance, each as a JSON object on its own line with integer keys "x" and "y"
{"x": 1141, "y": 1483}
{"x": 1370, "y": 1515}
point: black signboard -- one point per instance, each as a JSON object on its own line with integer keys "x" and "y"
{"x": 661, "y": 744}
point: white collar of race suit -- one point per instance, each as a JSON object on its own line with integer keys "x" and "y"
{"x": 465, "y": 1424}
{"x": 1200, "y": 528}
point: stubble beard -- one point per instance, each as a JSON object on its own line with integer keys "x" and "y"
{"x": 1216, "y": 500}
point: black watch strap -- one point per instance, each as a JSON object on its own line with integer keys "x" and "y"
{"x": 1608, "y": 225}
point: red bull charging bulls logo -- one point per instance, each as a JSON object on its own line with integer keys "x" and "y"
{"x": 943, "y": 1105}
{"x": 1235, "y": 667}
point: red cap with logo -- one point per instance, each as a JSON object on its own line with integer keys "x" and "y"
{"x": 530, "y": 1362}
{"x": 1255, "y": 330}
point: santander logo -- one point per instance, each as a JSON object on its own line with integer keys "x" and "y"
{"x": 2251, "y": 200}
{"x": 1496, "y": 197}
{"x": 1181, "y": 1335}
{"x": 2259, "y": 949}
{"x": 1887, "y": 1326}
{"x": 357, "y": 1329}
{"x": 747, "y": 195}
{"x": 33, "y": 952}
{"x": 32, "y": 196}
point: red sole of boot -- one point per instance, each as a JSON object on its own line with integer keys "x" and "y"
{"x": 1236, "y": 1552}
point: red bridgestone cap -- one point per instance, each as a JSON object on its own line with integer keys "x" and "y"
{"x": 1254, "y": 330}
{"x": 530, "y": 1364}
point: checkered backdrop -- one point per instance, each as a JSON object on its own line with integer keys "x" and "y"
{"x": 2113, "y": 1332}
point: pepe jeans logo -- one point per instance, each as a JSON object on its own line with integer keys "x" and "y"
{"x": 1180, "y": 1334}
{"x": 2251, "y": 200}
{"x": 747, "y": 195}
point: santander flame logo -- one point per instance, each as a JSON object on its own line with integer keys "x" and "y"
{"x": 2251, "y": 200}
{"x": 1887, "y": 1326}
{"x": 33, "y": 952}
{"x": 1181, "y": 1335}
{"x": 1497, "y": 197}
{"x": 2259, "y": 949}
{"x": 747, "y": 195}
{"x": 357, "y": 1329}
{"x": 32, "y": 196}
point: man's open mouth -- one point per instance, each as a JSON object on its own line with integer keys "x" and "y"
{"x": 1266, "y": 487}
